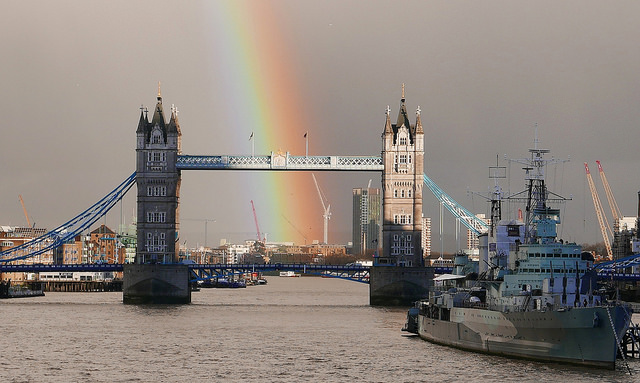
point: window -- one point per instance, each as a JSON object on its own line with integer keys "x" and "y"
{"x": 156, "y": 242}
{"x": 157, "y": 156}
{"x": 409, "y": 193}
{"x": 403, "y": 140}
{"x": 395, "y": 193}
{"x": 402, "y": 219}
{"x": 156, "y": 216}
{"x": 156, "y": 136}
{"x": 402, "y": 245}
{"x": 155, "y": 191}
{"x": 402, "y": 193}
{"x": 403, "y": 158}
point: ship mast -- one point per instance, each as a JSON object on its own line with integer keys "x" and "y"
{"x": 538, "y": 215}
{"x": 496, "y": 173}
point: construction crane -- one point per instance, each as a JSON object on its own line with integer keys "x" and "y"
{"x": 601, "y": 217}
{"x": 325, "y": 208}
{"x": 255, "y": 218}
{"x": 25, "y": 210}
{"x": 615, "y": 210}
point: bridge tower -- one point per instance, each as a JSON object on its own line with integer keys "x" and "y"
{"x": 158, "y": 182}
{"x": 398, "y": 275}
{"x": 156, "y": 277}
{"x": 402, "y": 155}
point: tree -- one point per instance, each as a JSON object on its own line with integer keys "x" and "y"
{"x": 598, "y": 248}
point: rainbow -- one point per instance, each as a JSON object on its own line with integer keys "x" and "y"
{"x": 256, "y": 75}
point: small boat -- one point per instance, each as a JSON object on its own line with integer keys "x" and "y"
{"x": 20, "y": 291}
{"x": 289, "y": 274}
{"x": 237, "y": 284}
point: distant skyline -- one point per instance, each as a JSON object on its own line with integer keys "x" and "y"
{"x": 74, "y": 75}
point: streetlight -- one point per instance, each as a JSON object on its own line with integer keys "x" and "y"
{"x": 206, "y": 221}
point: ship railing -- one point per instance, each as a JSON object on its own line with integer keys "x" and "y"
{"x": 471, "y": 305}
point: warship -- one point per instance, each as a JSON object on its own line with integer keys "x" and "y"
{"x": 535, "y": 296}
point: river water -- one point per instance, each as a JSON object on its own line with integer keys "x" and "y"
{"x": 290, "y": 330}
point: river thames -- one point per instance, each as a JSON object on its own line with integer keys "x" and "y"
{"x": 291, "y": 330}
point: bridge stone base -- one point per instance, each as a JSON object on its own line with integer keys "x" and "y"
{"x": 398, "y": 286}
{"x": 156, "y": 283}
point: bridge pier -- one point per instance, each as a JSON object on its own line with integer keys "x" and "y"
{"x": 399, "y": 286}
{"x": 156, "y": 284}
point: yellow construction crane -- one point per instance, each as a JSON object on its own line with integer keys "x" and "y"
{"x": 25, "y": 210}
{"x": 601, "y": 217}
{"x": 615, "y": 210}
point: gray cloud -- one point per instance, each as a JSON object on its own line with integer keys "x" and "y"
{"x": 484, "y": 73}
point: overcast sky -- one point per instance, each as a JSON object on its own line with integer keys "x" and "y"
{"x": 74, "y": 74}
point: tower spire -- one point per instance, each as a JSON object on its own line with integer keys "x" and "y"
{"x": 387, "y": 124}
{"x": 159, "y": 92}
{"x": 403, "y": 119}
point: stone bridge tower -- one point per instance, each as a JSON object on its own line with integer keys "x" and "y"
{"x": 399, "y": 276}
{"x": 158, "y": 182}
{"x": 402, "y": 155}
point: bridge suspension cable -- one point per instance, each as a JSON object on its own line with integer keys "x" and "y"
{"x": 70, "y": 229}
{"x": 472, "y": 222}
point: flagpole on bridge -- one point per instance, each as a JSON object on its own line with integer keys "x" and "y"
{"x": 253, "y": 145}
{"x": 306, "y": 141}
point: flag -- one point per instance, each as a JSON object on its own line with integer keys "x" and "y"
{"x": 251, "y": 136}
{"x": 305, "y": 134}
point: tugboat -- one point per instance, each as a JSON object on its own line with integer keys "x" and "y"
{"x": 537, "y": 297}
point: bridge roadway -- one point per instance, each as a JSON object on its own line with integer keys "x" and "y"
{"x": 280, "y": 161}
{"x": 356, "y": 273}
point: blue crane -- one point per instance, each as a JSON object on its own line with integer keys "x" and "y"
{"x": 472, "y": 222}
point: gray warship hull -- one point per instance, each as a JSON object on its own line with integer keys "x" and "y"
{"x": 582, "y": 336}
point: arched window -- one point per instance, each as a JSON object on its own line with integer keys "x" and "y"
{"x": 156, "y": 136}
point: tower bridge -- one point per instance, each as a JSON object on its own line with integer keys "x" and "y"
{"x": 160, "y": 161}
{"x": 398, "y": 275}
{"x": 156, "y": 277}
